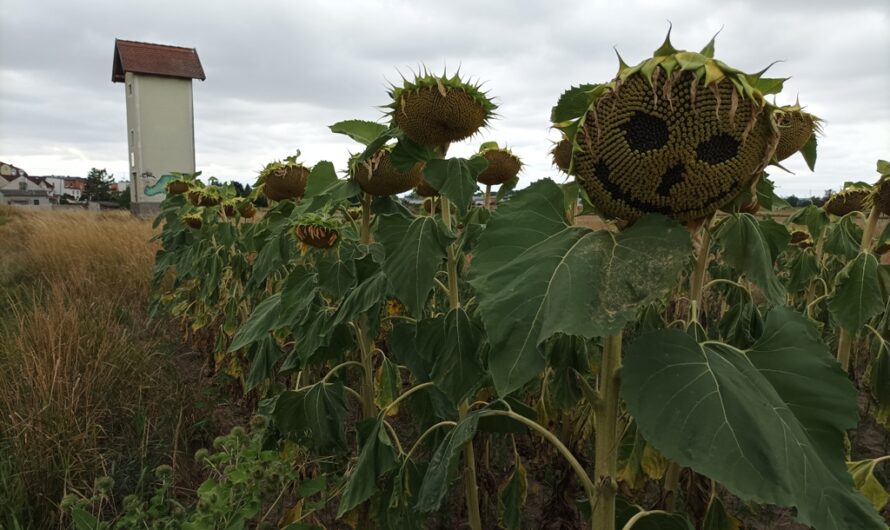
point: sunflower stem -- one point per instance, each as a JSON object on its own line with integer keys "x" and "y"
{"x": 487, "y": 197}
{"x": 606, "y": 442}
{"x": 365, "y": 233}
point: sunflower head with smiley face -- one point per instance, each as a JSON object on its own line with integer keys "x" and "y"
{"x": 680, "y": 134}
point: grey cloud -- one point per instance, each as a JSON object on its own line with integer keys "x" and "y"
{"x": 280, "y": 72}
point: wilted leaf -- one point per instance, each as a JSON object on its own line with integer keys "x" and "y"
{"x": 802, "y": 268}
{"x": 389, "y": 384}
{"x": 315, "y": 415}
{"x": 844, "y": 238}
{"x": 457, "y": 369}
{"x": 768, "y": 422}
{"x": 376, "y": 458}
{"x": 656, "y": 520}
{"x": 511, "y": 498}
{"x": 863, "y": 473}
{"x": 749, "y": 250}
{"x": 813, "y": 217}
{"x": 435, "y": 481}
{"x": 857, "y": 293}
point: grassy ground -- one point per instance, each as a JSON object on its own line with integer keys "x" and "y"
{"x": 88, "y": 389}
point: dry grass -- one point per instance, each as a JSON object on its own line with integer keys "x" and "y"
{"x": 85, "y": 391}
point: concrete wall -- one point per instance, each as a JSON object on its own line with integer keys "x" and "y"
{"x": 26, "y": 202}
{"x": 160, "y": 131}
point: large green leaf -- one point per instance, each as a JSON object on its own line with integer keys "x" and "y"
{"x": 435, "y": 481}
{"x": 315, "y": 415}
{"x": 361, "y": 131}
{"x": 336, "y": 271}
{"x": 376, "y": 458}
{"x": 535, "y": 276}
{"x": 362, "y": 298}
{"x": 748, "y": 249}
{"x": 457, "y": 370}
{"x": 857, "y": 293}
{"x": 260, "y": 322}
{"x": 455, "y": 178}
{"x": 768, "y": 422}
{"x": 415, "y": 250}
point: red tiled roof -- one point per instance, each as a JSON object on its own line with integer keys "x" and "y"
{"x": 155, "y": 59}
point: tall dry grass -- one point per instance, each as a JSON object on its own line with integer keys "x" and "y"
{"x": 85, "y": 390}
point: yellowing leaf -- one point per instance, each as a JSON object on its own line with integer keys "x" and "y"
{"x": 294, "y": 514}
{"x": 863, "y": 472}
{"x": 654, "y": 463}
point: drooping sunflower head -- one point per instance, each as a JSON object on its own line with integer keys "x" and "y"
{"x": 853, "y": 198}
{"x": 437, "y": 110}
{"x": 177, "y": 187}
{"x": 680, "y": 134}
{"x": 796, "y": 128}
{"x": 425, "y": 189}
{"x": 208, "y": 196}
{"x": 284, "y": 179}
{"x": 562, "y": 155}
{"x": 881, "y": 194}
{"x": 503, "y": 165}
{"x": 317, "y": 231}
{"x": 193, "y": 220}
{"x": 379, "y": 176}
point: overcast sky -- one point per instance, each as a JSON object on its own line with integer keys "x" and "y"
{"x": 279, "y": 72}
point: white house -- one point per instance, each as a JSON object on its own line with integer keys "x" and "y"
{"x": 71, "y": 186}
{"x": 19, "y": 189}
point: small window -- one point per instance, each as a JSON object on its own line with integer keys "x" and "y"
{"x": 130, "y": 88}
{"x": 36, "y": 202}
{"x": 23, "y": 186}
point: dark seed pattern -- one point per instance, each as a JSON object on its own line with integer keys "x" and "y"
{"x": 718, "y": 149}
{"x": 672, "y": 179}
{"x": 644, "y": 132}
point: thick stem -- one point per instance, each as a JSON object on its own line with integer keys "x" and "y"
{"x": 671, "y": 486}
{"x": 471, "y": 489}
{"x": 870, "y": 225}
{"x": 698, "y": 275}
{"x": 365, "y": 235}
{"x": 606, "y": 428}
{"x": 844, "y": 345}
{"x": 369, "y": 408}
{"x": 487, "y": 197}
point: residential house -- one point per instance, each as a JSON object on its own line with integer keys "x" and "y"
{"x": 17, "y": 188}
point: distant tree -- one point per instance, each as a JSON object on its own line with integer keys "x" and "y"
{"x": 123, "y": 198}
{"x": 98, "y": 185}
